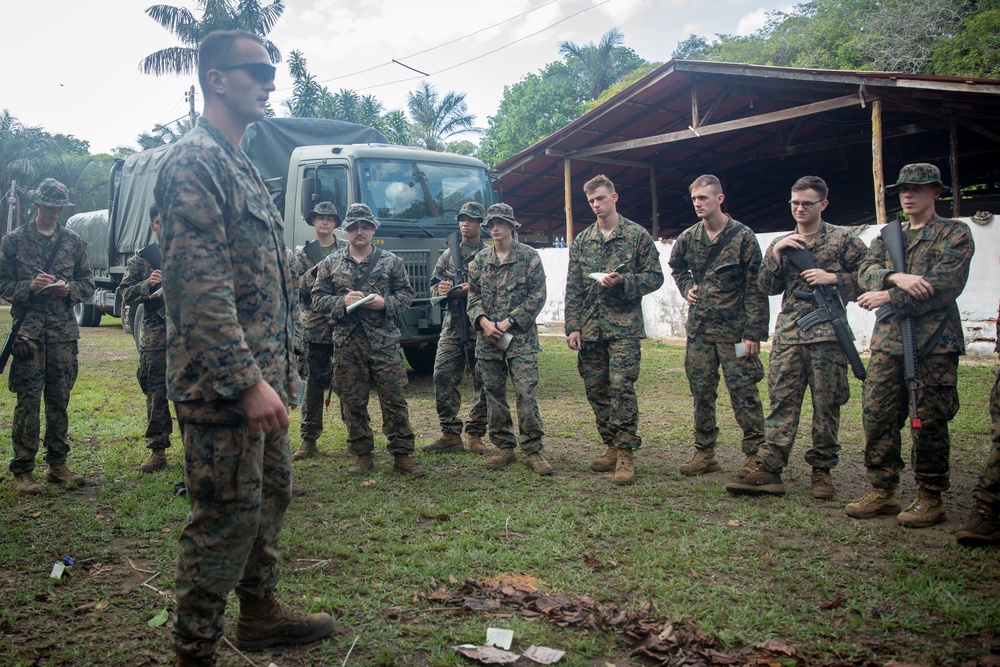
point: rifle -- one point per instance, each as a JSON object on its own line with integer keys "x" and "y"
{"x": 8, "y": 344}
{"x": 829, "y": 308}
{"x": 461, "y": 276}
{"x": 152, "y": 254}
{"x": 895, "y": 247}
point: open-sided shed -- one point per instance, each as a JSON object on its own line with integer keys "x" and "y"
{"x": 759, "y": 129}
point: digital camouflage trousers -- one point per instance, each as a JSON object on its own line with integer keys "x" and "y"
{"x": 449, "y": 369}
{"x": 152, "y": 375}
{"x": 523, "y": 373}
{"x": 610, "y": 369}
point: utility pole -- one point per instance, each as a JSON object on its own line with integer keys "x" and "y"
{"x": 190, "y": 98}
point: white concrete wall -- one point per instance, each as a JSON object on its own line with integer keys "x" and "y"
{"x": 665, "y": 311}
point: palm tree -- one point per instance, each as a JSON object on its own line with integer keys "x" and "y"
{"x": 595, "y": 68}
{"x": 24, "y": 152}
{"x": 436, "y": 120}
{"x": 248, "y": 15}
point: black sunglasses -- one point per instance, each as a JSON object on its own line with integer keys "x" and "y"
{"x": 260, "y": 72}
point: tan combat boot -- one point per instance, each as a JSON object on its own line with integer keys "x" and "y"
{"x": 925, "y": 511}
{"x": 822, "y": 484}
{"x": 502, "y": 459}
{"x": 749, "y": 465}
{"x": 875, "y": 502}
{"x": 538, "y": 464}
{"x": 406, "y": 465}
{"x": 759, "y": 482}
{"x": 476, "y": 445}
{"x": 157, "y": 461}
{"x": 58, "y": 473}
{"x": 264, "y": 623}
{"x": 607, "y": 462}
{"x": 625, "y": 468}
{"x": 982, "y": 528}
{"x": 306, "y": 450}
{"x": 702, "y": 462}
{"x": 361, "y": 466}
{"x": 446, "y": 444}
{"x": 25, "y": 483}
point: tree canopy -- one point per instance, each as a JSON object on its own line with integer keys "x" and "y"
{"x": 434, "y": 119}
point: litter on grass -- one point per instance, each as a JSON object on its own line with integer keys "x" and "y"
{"x": 499, "y": 637}
{"x": 487, "y": 655}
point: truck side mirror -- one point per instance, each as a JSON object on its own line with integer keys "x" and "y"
{"x": 310, "y": 192}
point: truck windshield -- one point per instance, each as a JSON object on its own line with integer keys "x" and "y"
{"x": 427, "y": 193}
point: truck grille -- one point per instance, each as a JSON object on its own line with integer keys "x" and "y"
{"x": 417, "y": 263}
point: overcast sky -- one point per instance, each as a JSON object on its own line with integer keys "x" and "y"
{"x": 71, "y": 66}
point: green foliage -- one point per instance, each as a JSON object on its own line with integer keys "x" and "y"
{"x": 625, "y": 82}
{"x": 974, "y": 51}
{"x": 434, "y": 119}
{"x": 593, "y": 68}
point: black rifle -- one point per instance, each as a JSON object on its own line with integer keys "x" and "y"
{"x": 895, "y": 247}
{"x": 461, "y": 277}
{"x": 829, "y": 308}
{"x": 8, "y": 344}
{"x": 152, "y": 254}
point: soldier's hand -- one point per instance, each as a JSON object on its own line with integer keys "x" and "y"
{"x": 692, "y": 296}
{"x": 263, "y": 408}
{"x": 796, "y": 241}
{"x": 378, "y": 303}
{"x": 752, "y": 347}
{"x": 612, "y": 279}
{"x": 59, "y": 290}
{"x": 573, "y": 340}
{"x": 353, "y": 297}
{"x": 914, "y": 285}
{"x": 41, "y": 280}
{"x": 443, "y": 287}
{"x": 490, "y": 329}
{"x": 816, "y": 277}
{"x": 874, "y": 300}
{"x": 462, "y": 290}
{"x": 155, "y": 278}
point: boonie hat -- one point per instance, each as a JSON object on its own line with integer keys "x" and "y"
{"x": 51, "y": 193}
{"x": 358, "y": 213}
{"x": 471, "y": 209}
{"x": 502, "y": 211}
{"x": 918, "y": 174}
{"x": 322, "y": 208}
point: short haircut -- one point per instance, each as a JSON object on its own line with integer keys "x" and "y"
{"x": 598, "y": 181}
{"x": 154, "y": 212}
{"x": 706, "y": 181}
{"x": 812, "y": 183}
{"x": 214, "y": 52}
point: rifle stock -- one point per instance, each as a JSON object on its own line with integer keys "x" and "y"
{"x": 895, "y": 247}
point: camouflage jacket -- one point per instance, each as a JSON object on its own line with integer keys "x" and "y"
{"x": 941, "y": 253}
{"x": 833, "y": 249}
{"x": 338, "y": 274}
{"x": 451, "y": 329}
{"x": 513, "y": 288}
{"x": 225, "y": 277}
{"x": 316, "y": 326}
{"x": 730, "y": 305}
{"x": 48, "y": 318}
{"x": 599, "y": 313}
{"x": 135, "y": 290}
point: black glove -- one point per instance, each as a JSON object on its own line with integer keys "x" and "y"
{"x": 23, "y": 348}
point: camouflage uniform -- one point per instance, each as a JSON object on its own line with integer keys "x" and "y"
{"x": 940, "y": 251}
{"x": 51, "y": 329}
{"x": 987, "y": 491}
{"x": 730, "y": 308}
{"x": 610, "y": 323}
{"x": 450, "y": 361}
{"x": 512, "y": 288}
{"x": 152, "y": 372}
{"x": 807, "y": 358}
{"x": 366, "y": 350}
{"x": 229, "y": 325}
{"x": 316, "y": 341}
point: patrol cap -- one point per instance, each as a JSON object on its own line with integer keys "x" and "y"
{"x": 51, "y": 193}
{"x": 358, "y": 213}
{"x": 919, "y": 173}
{"x": 472, "y": 210}
{"x": 322, "y": 208}
{"x": 503, "y": 212}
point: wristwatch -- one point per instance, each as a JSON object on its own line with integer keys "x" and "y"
{"x": 512, "y": 322}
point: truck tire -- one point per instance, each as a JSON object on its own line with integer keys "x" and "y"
{"x": 421, "y": 358}
{"x": 87, "y": 315}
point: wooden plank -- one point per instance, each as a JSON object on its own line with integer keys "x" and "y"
{"x": 877, "y": 174}
{"x": 568, "y": 197}
{"x": 603, "y": 160}
{"x": 930, "y": 110}
{"x": 956, "y": 206}
{"x": 654, "y": 202}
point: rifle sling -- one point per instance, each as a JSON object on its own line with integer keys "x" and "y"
{"x": 48, "y": 265}
{"x": 373, "y": 260}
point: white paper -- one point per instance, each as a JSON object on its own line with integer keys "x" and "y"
{"x": 57, "y": 569}
{"x": 741, "y": 350}
{"x": 360, "y": 302}
{"x": 499, "y": 637}
{"x": 599, "y": 276}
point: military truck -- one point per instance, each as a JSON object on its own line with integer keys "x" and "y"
{"x": 414, "y": 193}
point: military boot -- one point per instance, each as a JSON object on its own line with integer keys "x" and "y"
{"x": 625, "y": 468}
{"x": 157, "y": 461}
{"x": 406, "y": 465}
{"x": 446, "y": 444}
{"x": 759, "y": 482}
{"x": 749, "y": 465}
{"x": 925, "y": 511}
{"x": 25, "y": 483}
{"x": 982, "y": 529}
{"x": 704, "y": 461}
{"x": 822, "y": 484}
{"x": 361, "y": 466}
{"x": 502, "y": 459}
{"x": 607, "y": 461}
{"x": 476, "y": 445}
{"x": 538, "y": 464}
{"x": 185, "y": 660}
{"x": 58, "y": 473}
{"x": 306, "y": 450}
{"x": 875, "y": 502}
{"x": 264, "y": 623}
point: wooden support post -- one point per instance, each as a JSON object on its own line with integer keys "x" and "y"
{"x": 956, "y": 205}
{"x": 694, "y": 103}
{"x": 878, "y": 176}
{"x": 654, "y": 203}
{"x": 568, "y": 190}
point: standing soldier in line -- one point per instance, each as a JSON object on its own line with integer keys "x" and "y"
{"x": 373, "y": 284}
{"x": 455, "y": 352}
{"x": 801, "y": 358}
{"x": 506, "y": 293}
{"x": 715, "y": 264}
{"x": 230, "y": 365}
{"x": 317, "y": 333}
{"x": 142, "y": 285}
{"x": 604, "y": 321}
{"x": 938, "y": 252}
{"x": 983, "y": 526}
{"x": 43, "y": 272}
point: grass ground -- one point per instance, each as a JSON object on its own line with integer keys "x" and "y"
{"x": 373, "y": 550}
